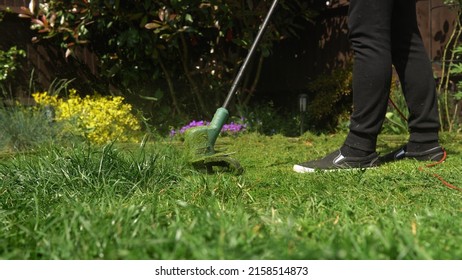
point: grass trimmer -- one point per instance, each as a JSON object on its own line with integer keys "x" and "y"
{"x": 201, "y": 140}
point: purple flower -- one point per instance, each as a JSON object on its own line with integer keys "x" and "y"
{"x": 233, "y": 127}
{"x": 229, "y": 128}
{"x": 193, "y": 124}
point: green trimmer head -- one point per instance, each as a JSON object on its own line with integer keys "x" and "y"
{"x": 200, "y": 142}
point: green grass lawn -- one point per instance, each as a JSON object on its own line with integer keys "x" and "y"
{"x": 127, "y": 202}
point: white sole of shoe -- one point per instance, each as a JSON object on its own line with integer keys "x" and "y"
{"x": 302, "y": 169}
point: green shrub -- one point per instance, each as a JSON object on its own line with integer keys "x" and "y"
{"x": 100, "y": 119}
{"x": 9, "y": 64}
{"x": 267, "y": 119}
{"x": 331, "y": 98}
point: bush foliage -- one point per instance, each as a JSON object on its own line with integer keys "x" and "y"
{"x": 331, "y": 98}
{"x": 98, "y": 118}
{"x": 185, "y": 53}
{"x": 9, "y": 61}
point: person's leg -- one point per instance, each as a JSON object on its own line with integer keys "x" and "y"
{"x": 415, "y": 72}
{"x": 370, "y": 26}
{"x": 416, "y": 76}
{"x": 370, "y": 35}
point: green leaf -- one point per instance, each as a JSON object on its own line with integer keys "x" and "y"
{"x": 153, "y": 25}
{"x": 456, "y": 69}
{"x": 159, "y": 93}
{"x": 150, "y": 98}
{"x": 458, "y": 95}
{"x": 189, "y": 18}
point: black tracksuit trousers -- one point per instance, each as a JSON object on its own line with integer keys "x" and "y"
{"x": 385, "y": 33}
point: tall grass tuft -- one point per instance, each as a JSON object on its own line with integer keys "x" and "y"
{"x": 65, "y": 203}
{"x": 24, "y": 128}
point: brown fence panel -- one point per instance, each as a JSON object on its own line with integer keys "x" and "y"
{"x": 46, "y": 62}
{"x": 14, "y": 5}
{"x": 436, "y": 22}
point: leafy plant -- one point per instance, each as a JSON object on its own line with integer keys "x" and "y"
{"x": 330, "y": 98}
{"x": 453, "y": 92}
{"x": 267, "y": 119}
{"x": 451, "y": 69}
{"x": 9, "y": 61}
{"x": 97, "y": 118}
{"x": 192, "y": 48}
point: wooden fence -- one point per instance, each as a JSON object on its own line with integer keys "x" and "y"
{"x": 46, "y": 63}
{"x": 14, "y": 5}
{"x": 325, "y": 46}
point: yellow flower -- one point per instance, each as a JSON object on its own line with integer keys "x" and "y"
{"x": 100, "y": 119}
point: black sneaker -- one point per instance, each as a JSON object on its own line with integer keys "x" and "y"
{"x": 336, "y": 161}
{"x": 433, "y": 154}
